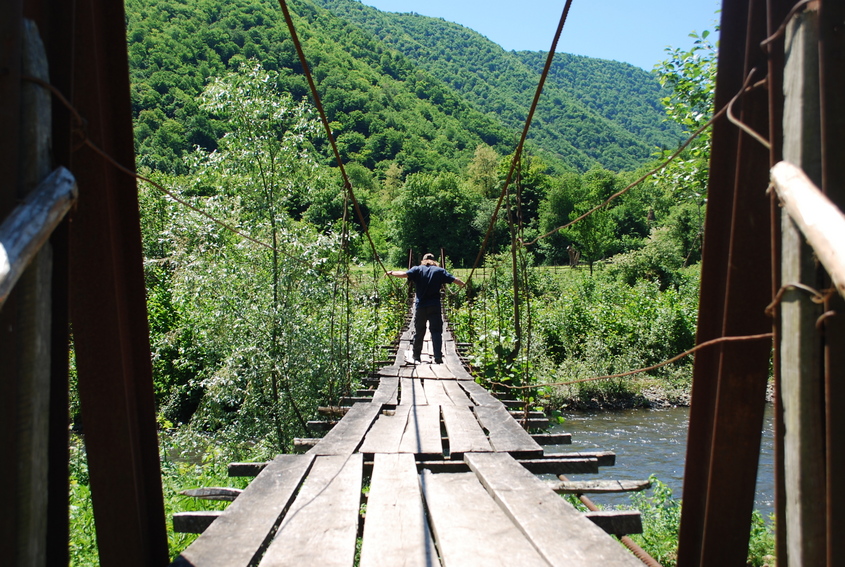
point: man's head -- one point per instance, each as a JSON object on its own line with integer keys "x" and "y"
{"x": 428, "y": 260}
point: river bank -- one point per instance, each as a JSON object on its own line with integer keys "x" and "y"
{"x": 646, "y": 393}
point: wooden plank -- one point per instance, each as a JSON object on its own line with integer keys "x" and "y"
{"x": 479, "y": 395}
{"x": 552, "y": 438}
{"x": 387, "y": 392}
{"x": 246, "y": 469}
{"x": 223, "y": 493}
{"x": 464, "y": 431}
{"x": 422, "y": 432}
{"x": 396, "y": 531}
{"x": 195, "y": 522}
{"x": 599, "y": 486}
{"x": 457, "y": 394}
{"x": 28, "y": 227}
{"x": 617, "y": 522}
{"x": 424, "y": 371}
{"x": 555, "y": 466}
{"x": 605, "y": 458}
{"x": 442, "y": 372}
{"x": 412, "y": 392}
{"x": 435, "y": 394}
{"x": 561, "y": 534}
{"x": 820, "y": 221}
{"x": 244, "y": 528}
{"x": 505, "y": 434}
{"x": 469, "y": 528}
{"x": 348, "y": 434}
{"x": 388, "y": 372}
{"x": 386, "y": 433}
{"x": 322, "y": 524}
{"x": 801, "y": 371}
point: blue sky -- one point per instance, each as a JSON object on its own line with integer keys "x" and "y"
{"x": 632, "y": 31}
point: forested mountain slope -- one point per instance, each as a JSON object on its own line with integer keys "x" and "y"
{"x": 383, "y": 108}
{"x": 400, "y": 89}
{"x": 592, "y": 111}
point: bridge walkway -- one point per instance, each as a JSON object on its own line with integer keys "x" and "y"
{"x": 433, "y": 470}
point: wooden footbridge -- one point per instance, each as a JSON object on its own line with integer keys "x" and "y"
{"x": 451, "y": 478}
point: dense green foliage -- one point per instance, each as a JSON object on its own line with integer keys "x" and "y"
{"x": 578, "y": 326}
{"x": 661, "y": 515}
{"x": 592, "y": 113}
{"x": 398, "y": 88}
{"x": 265, "y": 300}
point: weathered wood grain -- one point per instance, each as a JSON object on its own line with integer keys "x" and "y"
{"x": 243, "y": 530}
{"x": 617, "y": 522}
{"x": 396, "y": 531}
{"x": 470, "y": 528}
{"x": 322, "y": 524}
{"x": 387, "y": 393}
{"x": 561, "y": 534}
{"x": 479, "y": 395}
{"x": 435, "y": 394}
{"x": 412, "y": 392}
{"x": 28, "y": 227}
{"x": 464, "y": 431}
{"x": 505, "y": 434}
{"x": 348, "y": 434}
{"x": 223, "y": 493}
{"x": 386, "y": 433}
{"x": 599, "y": 486}
{"x": 422, "y": 432}
{"x": 194, "y": 522}
{"x": 457, "y": 394}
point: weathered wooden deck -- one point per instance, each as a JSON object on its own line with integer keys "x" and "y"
{"x": 451, "y": 482}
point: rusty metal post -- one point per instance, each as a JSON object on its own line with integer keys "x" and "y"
{"x": 729, "y": 382}
{"x": 87, "y": 49}
{"x": 832, "y": 85}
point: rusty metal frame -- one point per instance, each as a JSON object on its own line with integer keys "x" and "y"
{"x": 832, "y": 85}
{"x": 98, "y": 279}
{"x": 729, "y": 382}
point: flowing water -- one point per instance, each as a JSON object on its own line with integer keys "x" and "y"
{"x": 654, "y": 442}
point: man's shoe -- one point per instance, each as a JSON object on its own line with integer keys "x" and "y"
{"x": 438, "y": 361}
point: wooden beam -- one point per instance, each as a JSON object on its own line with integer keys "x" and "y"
{"x": 322, "y": 524}
{"x": 195, "y": 522}
{"x": 561, "y": 534}
{"x": 599, "y": 486}
{"x": 221, "y": 493}
{"x": 28, "y": 227}
{"x": 617, "y": 522}
{"x": 801, "y": 365}
{"x": 552, "y": 438}
{"x": 820, "y": 221}
{"x": 396, "y": 531}
{"x": 458, "y": 507}
{"x": 244, "y": 529}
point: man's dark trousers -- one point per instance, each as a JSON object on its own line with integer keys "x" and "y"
{"x": 430, "y": 315}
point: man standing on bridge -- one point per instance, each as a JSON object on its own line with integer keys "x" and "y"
{"x": 427, "y": 278}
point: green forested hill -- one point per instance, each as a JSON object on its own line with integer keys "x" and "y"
{"x": 383, "y": 108}
{"x": 399, "y": 88}
{"x": 593, "y": 112}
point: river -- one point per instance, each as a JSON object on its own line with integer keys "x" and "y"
{"x": 654, "y": 442}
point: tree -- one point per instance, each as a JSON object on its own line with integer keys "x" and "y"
{"x": 433, "y": 212}
{"x": 483, "y": 171}
{"x": 594, "y": 234}
{"x": 691, "y": 77}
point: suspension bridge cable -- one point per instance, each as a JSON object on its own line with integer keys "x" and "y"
{"x": 319, "y": 104}
{"x": 519, "y": 147}
{"x": 745, "y": 88}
